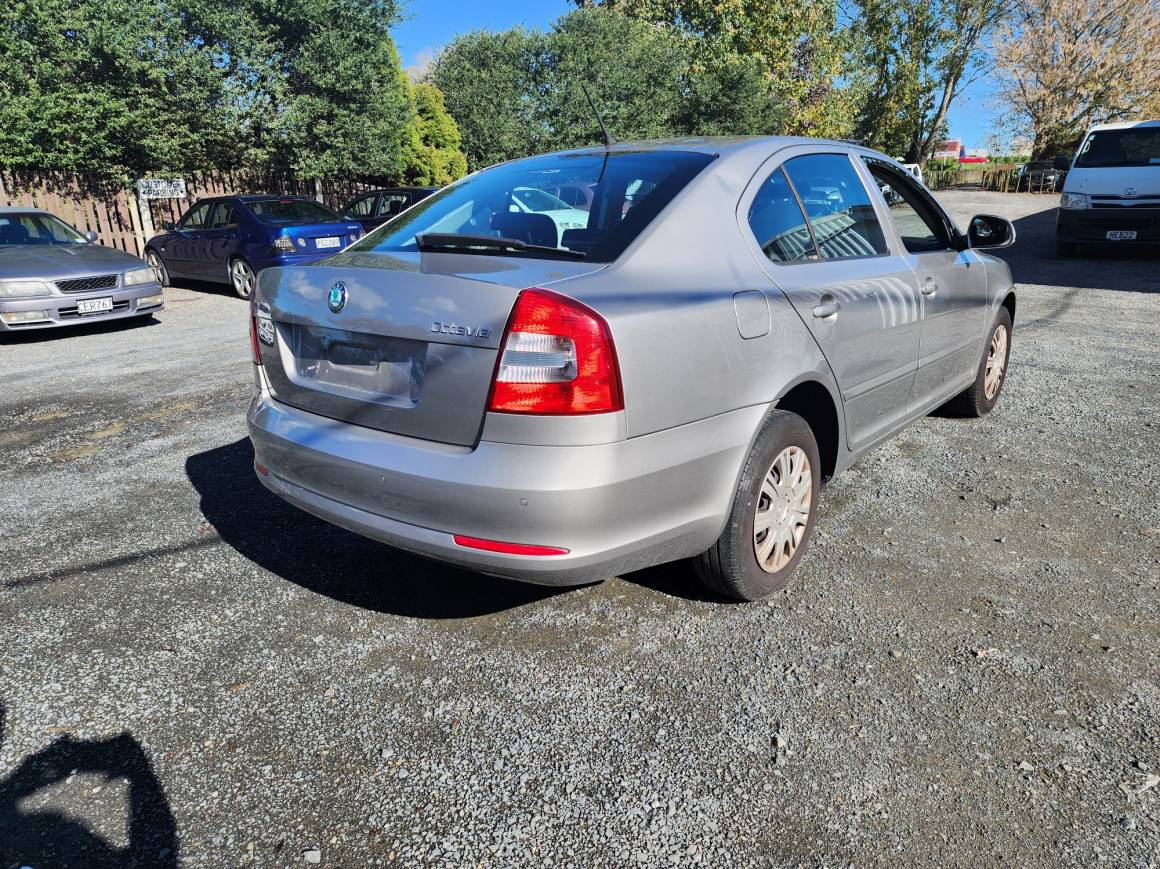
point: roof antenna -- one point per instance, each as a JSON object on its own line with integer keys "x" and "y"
{"x": 608, "y": 140}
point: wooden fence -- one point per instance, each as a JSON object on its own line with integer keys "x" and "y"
{"x": 1000, "y": 177}
{"x": 122, "y": 220}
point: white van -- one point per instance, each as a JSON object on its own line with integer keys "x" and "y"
{"x": 1111, "y": 194}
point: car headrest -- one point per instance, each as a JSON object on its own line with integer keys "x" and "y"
{"x": 14, "y": 232}
{"x": 528, "y": 228}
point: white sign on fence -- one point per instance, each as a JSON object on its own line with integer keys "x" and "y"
{"x": 161, "y": 188}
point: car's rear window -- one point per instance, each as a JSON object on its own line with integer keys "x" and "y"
{"x": 511, "y": 201}
{"x": 291, "y": 212}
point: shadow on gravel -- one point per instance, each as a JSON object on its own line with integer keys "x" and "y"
{"x": 40, "y": 336}
{"x": 335, "y": 562}
{"x": 49, "y": 837}
{"x": 1033, "y": 260}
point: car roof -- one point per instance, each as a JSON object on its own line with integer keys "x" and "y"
{"x": 1123, "y": 125}
{"x": 21, "y": 209}
{"x": 718, "y": 145}
{"x": 402, "y": 189}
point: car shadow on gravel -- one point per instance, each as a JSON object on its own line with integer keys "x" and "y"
{"x": 40, "y": 336}
{"x": 332, "y": 561}
{"x": 46, "y": 836}
{"x": 1033, "y": 260}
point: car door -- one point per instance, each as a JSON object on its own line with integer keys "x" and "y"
{"x": 181, "y": 251}
{"x": 220, "y": 239}
{"x": 821, "y": 243}
{"x": 952, "y": 282}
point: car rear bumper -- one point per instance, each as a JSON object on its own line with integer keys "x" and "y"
{"x": 1092, "y": 225}
{"x": 61, "y": 310}
{"x": 615, "y": 507}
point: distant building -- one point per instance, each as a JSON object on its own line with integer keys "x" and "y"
{"x": 977, "y": 152}
{"x": 951, "y": 149}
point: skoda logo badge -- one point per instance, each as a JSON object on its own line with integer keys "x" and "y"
{"x": 1130, "y": 191}
{"x": 337, "y": 298}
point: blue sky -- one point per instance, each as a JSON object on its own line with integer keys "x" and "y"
{"x": 430, "y": 24}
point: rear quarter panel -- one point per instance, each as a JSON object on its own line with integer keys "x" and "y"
{"x": 669, "y": 301}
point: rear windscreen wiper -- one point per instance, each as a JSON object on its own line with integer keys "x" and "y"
{"x": 434, "y": 241}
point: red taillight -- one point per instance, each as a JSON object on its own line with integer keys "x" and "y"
{"x": 255, "y": 350}
{"x": 507, "y": 548}
{"x": 557, "y": 358}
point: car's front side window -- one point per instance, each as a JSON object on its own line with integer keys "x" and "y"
{"x": 838, "y": 206}
{"x": 778, "y": 224}
{"x": 919, "y": 227}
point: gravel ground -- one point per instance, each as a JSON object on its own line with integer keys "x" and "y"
{"x": 964, "y": 671}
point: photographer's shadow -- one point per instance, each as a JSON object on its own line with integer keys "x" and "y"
{"x": 49, "y": 837}
{"x": 332, "y": 561}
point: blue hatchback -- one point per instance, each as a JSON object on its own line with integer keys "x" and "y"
{"x": 230, "y": 239}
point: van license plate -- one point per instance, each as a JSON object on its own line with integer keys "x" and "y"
{"x": 94, "y": 306}
{"x": 336, "y": 242}
{"x": 1121, "y": 235}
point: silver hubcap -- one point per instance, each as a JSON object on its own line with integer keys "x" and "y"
{"x": 783, "y": 509}
{"x": 155, "y": 264}
{"x": 996, "y": 362}
{"x": 243, "y": 279}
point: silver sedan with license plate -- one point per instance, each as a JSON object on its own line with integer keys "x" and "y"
{"x": 52, "y": 275}
{"x": 732, "y": 322}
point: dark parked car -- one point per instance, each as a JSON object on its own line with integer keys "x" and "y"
{"x": 378, "y": 206}
{"x": 1038, "y": 176}
{"x": 230, "y": 239}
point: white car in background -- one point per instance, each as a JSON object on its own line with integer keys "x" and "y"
{"x": 532, "y": 200}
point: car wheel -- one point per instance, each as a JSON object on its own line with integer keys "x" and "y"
{"x": 1065, "y": 248}
{"x": 773, "y": 513}
{"x": 158, "y": 266}
{"x": 243, "y": 278}
{"x": 980, "y": 397}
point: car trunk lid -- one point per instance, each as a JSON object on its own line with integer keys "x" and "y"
{"x": 402, "y": 343}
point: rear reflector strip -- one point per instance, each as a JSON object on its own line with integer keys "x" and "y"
{"x": 507, "y": 548}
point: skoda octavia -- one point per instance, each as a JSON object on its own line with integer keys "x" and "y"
{"x": 736, "y": 321}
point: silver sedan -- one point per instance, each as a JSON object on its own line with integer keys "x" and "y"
{"x": 730, "y": 323}
{"x": 52, "y": 275}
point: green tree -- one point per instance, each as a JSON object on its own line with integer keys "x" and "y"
{"x": 491, "y": 86}
{"x": 436, "y": 156}
{"x": 796, "y": 46}
{"x": 913, "y": 59}
{"x": 518, "y": 92}
{"x": 110, "y": 88}
{"x": 320, "y": 88}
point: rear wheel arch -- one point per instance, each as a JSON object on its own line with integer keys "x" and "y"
{"x": 813, "y": 402}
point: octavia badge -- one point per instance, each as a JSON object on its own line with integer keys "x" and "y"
{"x": 337, "y": 298}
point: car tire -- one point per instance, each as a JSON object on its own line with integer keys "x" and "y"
{"x": 158, "y": 265}
{"x": 982, "y": 395}
{"x": 242, "y": 278}
{"x": 1065, "y": 249}
{"x": 745, "y": 563}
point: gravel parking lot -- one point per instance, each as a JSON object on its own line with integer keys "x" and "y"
{"x": 964, "y": 671}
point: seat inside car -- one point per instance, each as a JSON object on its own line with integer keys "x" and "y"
{"x": 538, "y": 229}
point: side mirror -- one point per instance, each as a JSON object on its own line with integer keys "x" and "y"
{"x": 989, "y": 231}
{"x": 169, "y": 226}
{"x": 91, "y": 237}
{"x": 1062, "y": 163}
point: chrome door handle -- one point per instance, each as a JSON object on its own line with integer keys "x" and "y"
{"x": 826, "y": 310}
{"x": 929, "y": 287}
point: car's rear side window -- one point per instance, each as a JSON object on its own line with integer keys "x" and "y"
{"x": 838, "y": 206}
{"x": 778, "y": 223}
